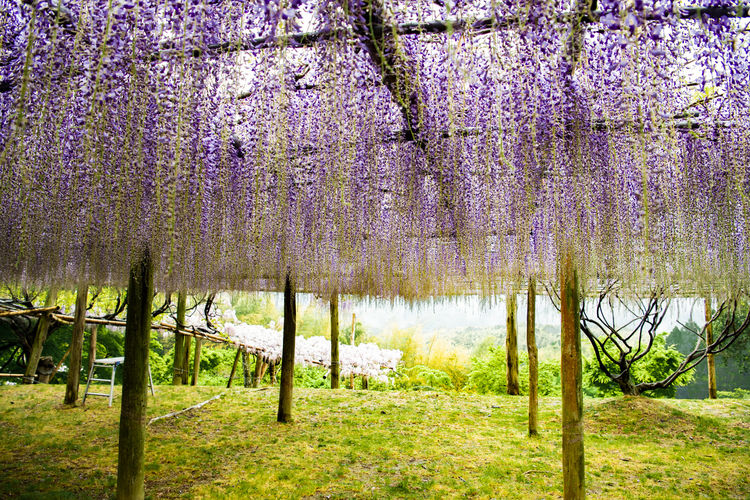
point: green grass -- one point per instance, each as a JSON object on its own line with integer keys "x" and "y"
{"x": 346, "y": 444}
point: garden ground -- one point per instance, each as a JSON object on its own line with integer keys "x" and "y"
{"x": 369, "y": 444}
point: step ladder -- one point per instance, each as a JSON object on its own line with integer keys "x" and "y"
{"x": 112, "y": 363}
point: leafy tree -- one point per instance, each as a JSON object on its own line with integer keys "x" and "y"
{"x": 732, "y": 365}
{"x": 660, "y": 361}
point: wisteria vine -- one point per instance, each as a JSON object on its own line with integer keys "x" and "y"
{"x": 374, "y": 146}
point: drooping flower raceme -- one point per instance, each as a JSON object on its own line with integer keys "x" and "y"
{"x": 371, "y": 146}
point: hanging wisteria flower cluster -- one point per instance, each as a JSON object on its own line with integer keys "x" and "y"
{"x": 374, "y": 146}
{"x": 362, "y": 359}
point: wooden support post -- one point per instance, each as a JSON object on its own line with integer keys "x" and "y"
{"x": 511, "y": 346}
{"x": 354, "y": 323}
{"x": 92, "y": 347}
{"x": 533, "y": 357}
{"x": 186, "y": 361}
{"x": 572, "y": 387}
{"x": 196, "y": 361}
{"x": 246, "y": 368}
{"x": 335, "y": 341}
{"x": 256, "y": 371}
{"x": 712, "y": 394}
{"x": 130, "y": 465}
{"x": 42, "y": 328}
{"x": 181, "y": 342}
{"x": 234, "y": 367}
{"x": 287, "y": 354}
{"x": 272, "y": 370}
{"x": 365, "y": 382}
{"x": 76, "y": 346}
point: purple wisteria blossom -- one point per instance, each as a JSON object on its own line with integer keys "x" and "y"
{"x": 389, "y": 148}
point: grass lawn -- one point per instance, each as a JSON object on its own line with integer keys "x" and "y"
{"x": 362, "y": 444}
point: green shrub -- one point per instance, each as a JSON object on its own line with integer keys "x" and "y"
{"x": 422, "y": 376}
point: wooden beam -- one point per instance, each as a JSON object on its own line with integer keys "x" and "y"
{"x": 482, "y": 26}
{"x": 533, "y": 357}
{"x": 712, "y": 393}
{"x": 180, "y": 341}
{"x": 76, "y": 346}
{"x": 196, "y": 361}
{"x": 572, "y": 386}
{"x": 234, "y": 367}
{"x": 35, "y": 311}
{"x": 335, "y": 341}
{"x": 131, "y": 457}
{"x": 287, "y": 358}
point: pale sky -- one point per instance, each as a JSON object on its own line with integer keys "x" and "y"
{"x": 378, "y": 315}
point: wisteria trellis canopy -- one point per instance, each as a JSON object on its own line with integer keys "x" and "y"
{"x": 374, "y": 146}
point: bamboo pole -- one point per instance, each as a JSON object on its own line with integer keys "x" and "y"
{"x": 572, "y": 388}
{"x": 511, "y": 346}
{"x": 37, "y": 310}
{"x": 533, "y": 357}
{"x": 59, "y": 364}
{"x": 42, "y": 329}
{"x": 710, "y": 361}
{"x": 76, "y": 346}
{"x": 179, "y": 342}
{"x": 287, "y": 356}
{"x": 335, "y": 341}
{"x": 234, "y": 367}
{"x": 130, "y": 465}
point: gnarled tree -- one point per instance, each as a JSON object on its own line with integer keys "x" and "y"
{"x": 619, "y": 343}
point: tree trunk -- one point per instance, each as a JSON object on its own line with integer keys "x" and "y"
{"x": 42, "y": 328}
{"x": 45, "y": 369}
{"x": 272, "y": 370}
{"x": 234, "y": 367}
{"x": 92, "y": 347}
{"x": 130, "y": 466}
{"x": 365, "y": 382}
{"x": 335, "y": 341}
{"x": 197, "y": 361}
{"x": 626, "y": 384}
{"x": 246, "y": 368}
{"x": 511, "y": 346}
{"x": 76, "y": 346}
{"x": 710, "y": 357}
{"x": 287, "y": 355}
{"x": 533, "y": 361}
{"x": 572, "y": 388}
{"x": 180, "y": 343}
